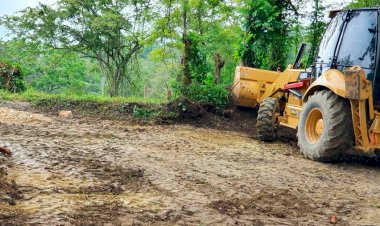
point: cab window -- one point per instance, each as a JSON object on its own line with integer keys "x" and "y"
{"x": 358, "y": 46}
{"x": 328, "y": 44}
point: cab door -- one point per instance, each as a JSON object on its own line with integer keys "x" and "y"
{"x": 358, "y": 45}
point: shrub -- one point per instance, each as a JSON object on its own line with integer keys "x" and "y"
{"x": 145, "y": 113}
{"x": 208, "y": 92}
{"x": 11, "y": 78}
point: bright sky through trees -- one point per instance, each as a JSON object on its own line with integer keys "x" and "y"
{"x": 10, "y": 7}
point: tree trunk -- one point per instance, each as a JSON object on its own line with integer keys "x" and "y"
{"x": 113, "y": 88}
{"x": 199, "y": 17}
{"x": 218, "y": 65}
{"x": 186, "y": 53}
{"x": 113, "y": 81}
{"x": 169, "y": 92}
{"x": 114, "y": 67}
{"x": 186, "y": 65}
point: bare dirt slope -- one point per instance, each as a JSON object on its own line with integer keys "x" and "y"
{"x": 91, "y": 171}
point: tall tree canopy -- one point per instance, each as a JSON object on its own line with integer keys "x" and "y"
{"x": 112, "y": 32}
{"x": 151, "y": 47}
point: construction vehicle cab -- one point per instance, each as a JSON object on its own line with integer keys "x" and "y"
{"x": 334, "y": 106}
{"x": 350, "y": 40}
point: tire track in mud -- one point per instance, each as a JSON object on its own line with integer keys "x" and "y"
{"x": 91, "y": 171}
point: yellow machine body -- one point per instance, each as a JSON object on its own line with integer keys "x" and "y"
{"x": 252, "y": 86}
{"x": 332, "y": 106}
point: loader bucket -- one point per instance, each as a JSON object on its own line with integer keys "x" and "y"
{"x": 250, "y": 84}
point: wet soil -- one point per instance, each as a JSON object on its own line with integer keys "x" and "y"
{"x": 93, "y": 171}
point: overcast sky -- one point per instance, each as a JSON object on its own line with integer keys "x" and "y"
{"x": 8, "y": 7}
{"x": 12, "y": 6}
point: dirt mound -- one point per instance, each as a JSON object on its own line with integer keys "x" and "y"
{"x": 103, "y": 110}
{"x": 180, "y": 111}
{"x": 274, "y": 202}
{"x": 186, "y": 109}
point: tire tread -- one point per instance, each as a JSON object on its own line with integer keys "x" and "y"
{"x": 339, "y": 136}
{"x": 266, "y": 128}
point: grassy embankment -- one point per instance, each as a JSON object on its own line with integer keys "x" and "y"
{"x": 90, "y": 105}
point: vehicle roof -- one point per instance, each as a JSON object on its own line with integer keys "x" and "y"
{"x": 332, "y": 13}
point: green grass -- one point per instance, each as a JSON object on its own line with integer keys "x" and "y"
{"x": 33, "y": 96}
{"x": 145, "y": 113}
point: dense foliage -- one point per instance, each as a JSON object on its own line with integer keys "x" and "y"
{"x": 112, "y": 32}
{"x": 364, "y": 3}
{"x": 158, "y": 48}
{"x": 268, "y": 23}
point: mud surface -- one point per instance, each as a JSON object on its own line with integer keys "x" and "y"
{"x": 89, "y": 171}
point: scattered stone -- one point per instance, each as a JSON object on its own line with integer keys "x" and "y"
{"x": 66, "y": 114}
{"x": 5, "y": 151}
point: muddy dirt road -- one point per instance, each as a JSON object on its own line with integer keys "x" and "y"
{"x": 91, "y": 171}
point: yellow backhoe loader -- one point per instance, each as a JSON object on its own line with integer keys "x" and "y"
{"x": 333, "y": 106}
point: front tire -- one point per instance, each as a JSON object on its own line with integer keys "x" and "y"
{"x": 325, "y": 129}
{"x": 267, "y": 119}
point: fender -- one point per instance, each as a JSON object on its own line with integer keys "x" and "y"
{"x": 333, "y": 80}
{"x": 351, "y": 84}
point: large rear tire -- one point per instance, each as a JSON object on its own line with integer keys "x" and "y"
{"x": 325, "y": 131}
{"x": 267, "y": 119}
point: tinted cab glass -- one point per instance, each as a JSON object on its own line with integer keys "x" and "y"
{"x": 328, "y": 44}
{"x": 358, "y": 45}
{"x": 351, "y": 39}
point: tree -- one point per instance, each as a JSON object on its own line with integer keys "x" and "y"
{"x": 112, "y": 32}
{"x": 200, "y": 29}
{"x": 218, "y": 65}
{"x": 364, "y": 3}
{"x": 186, "y": 42}
{"x": 316, "y": 29}
{"x": 67, "y": 73}
{"x": 268, "y": 25}
{"x": 52, "y": 70}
